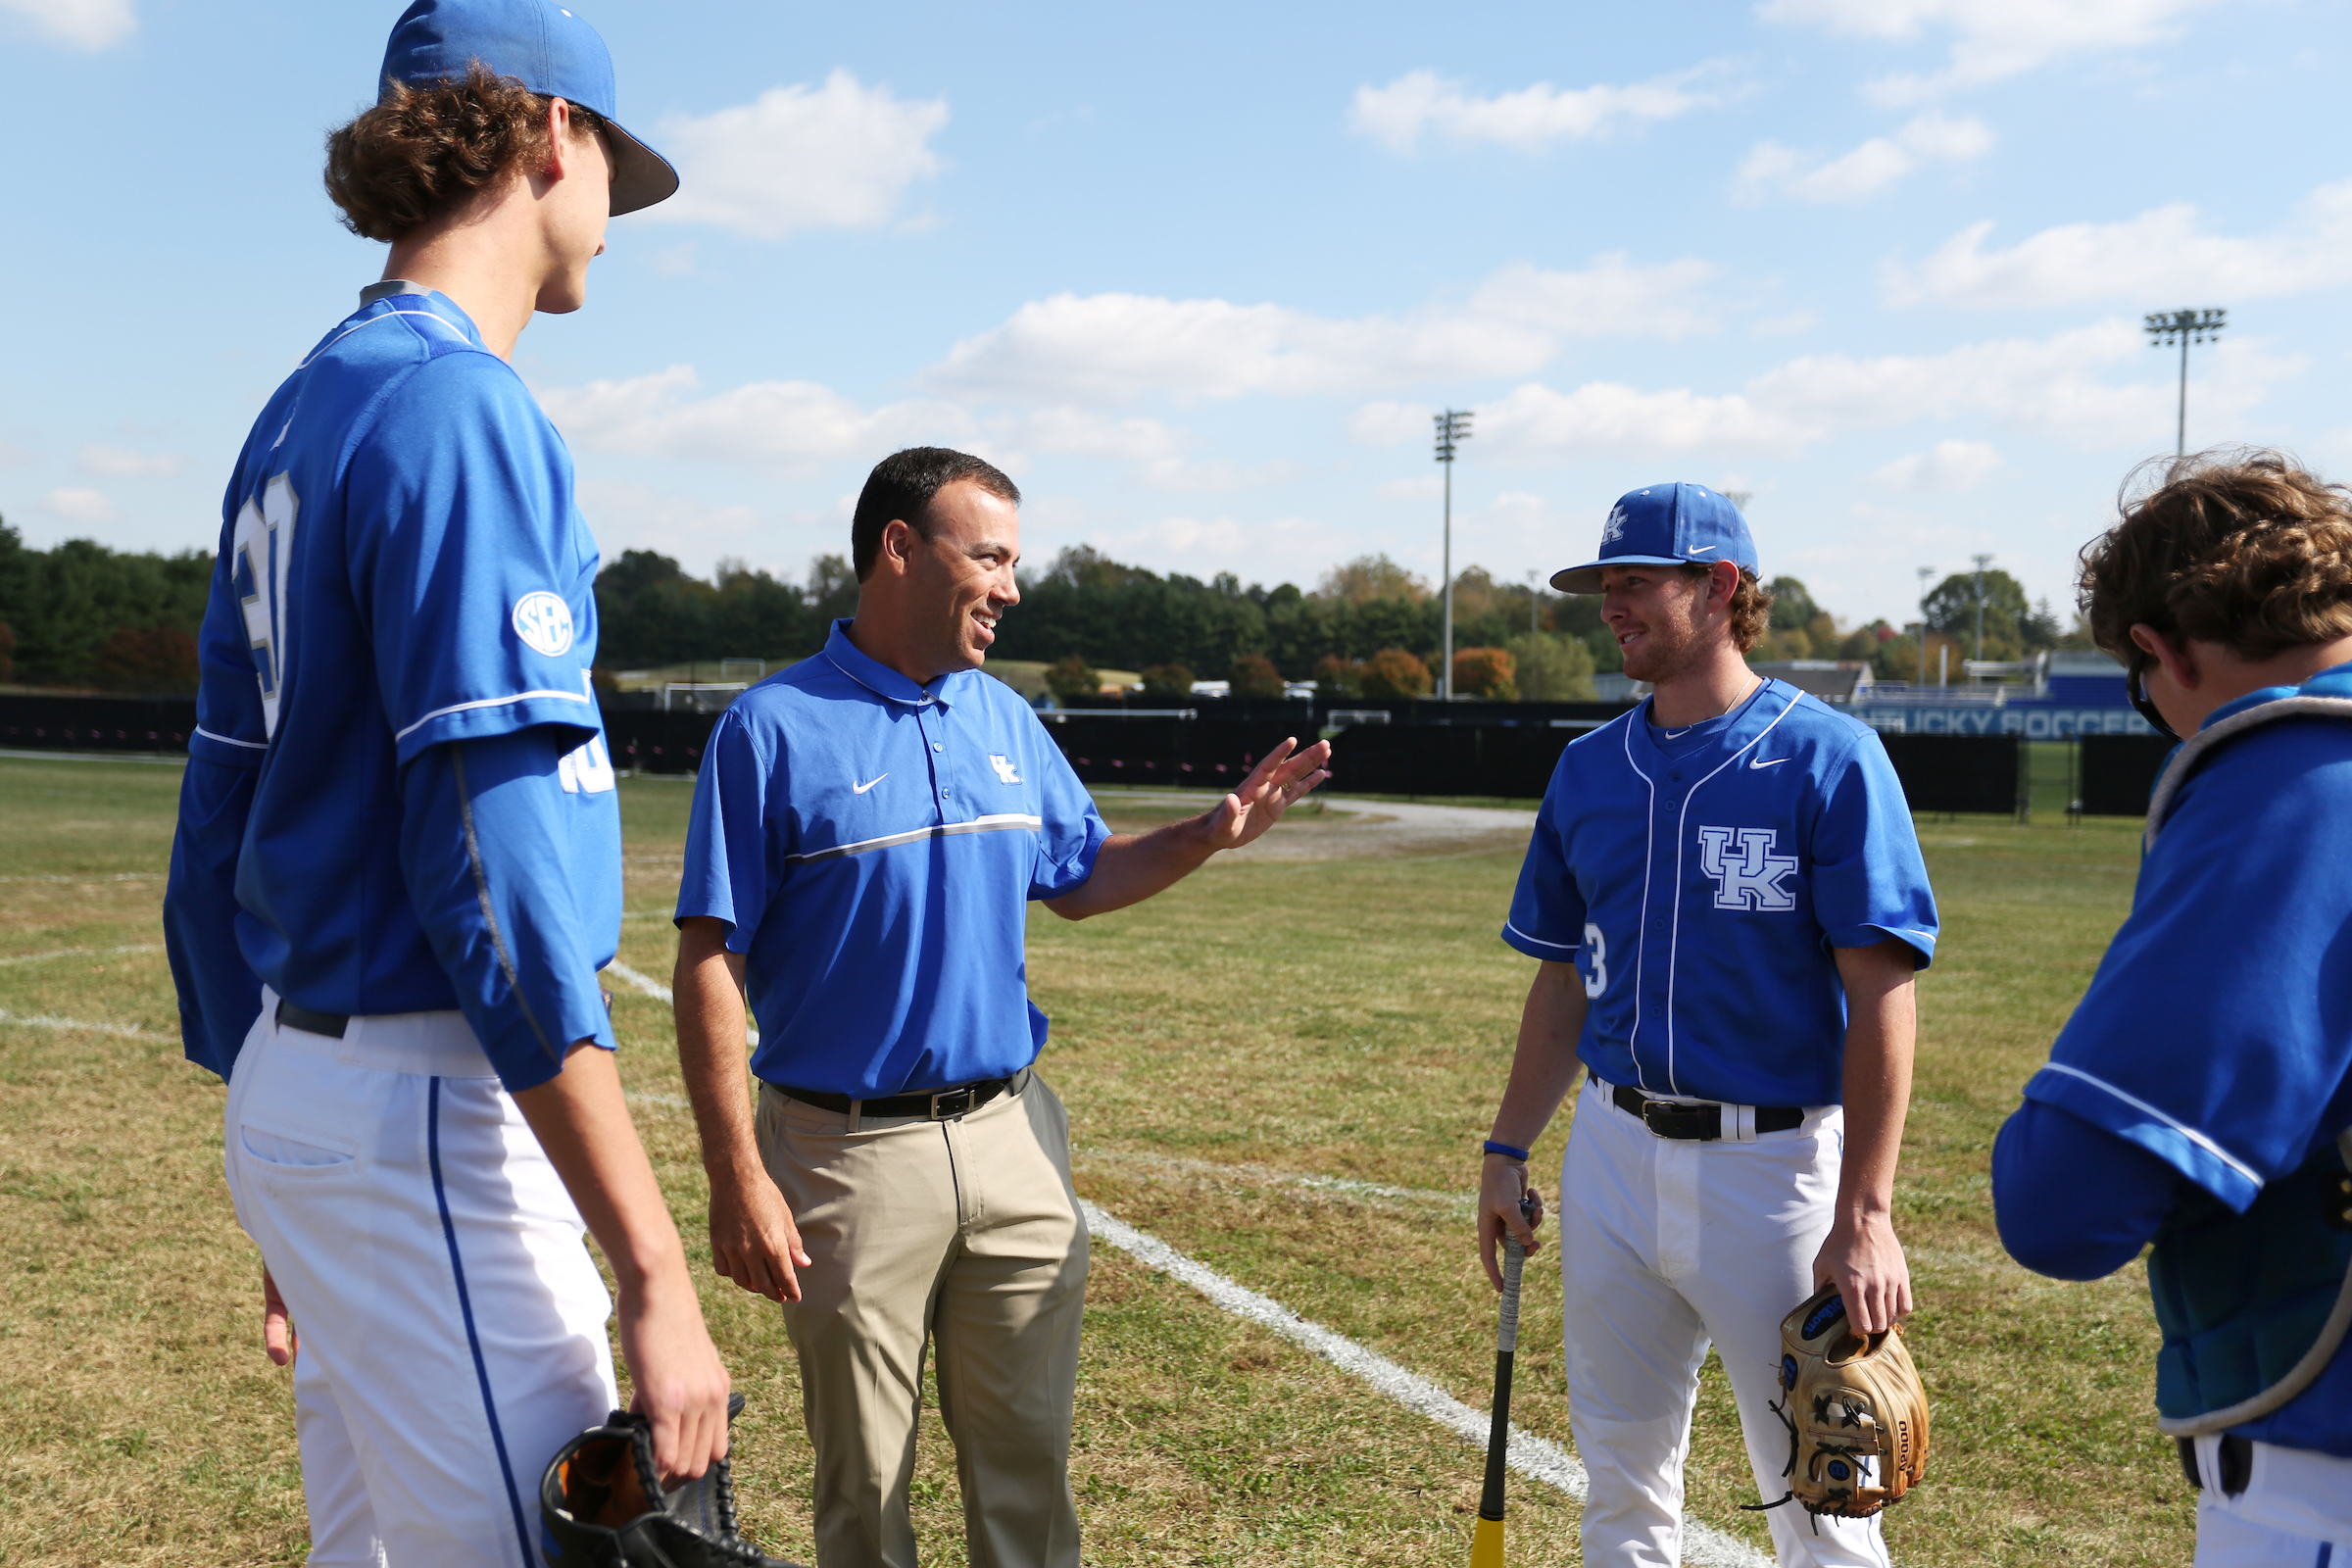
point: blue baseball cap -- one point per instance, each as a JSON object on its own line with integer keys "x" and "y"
{"x": 543, "y": 46}
{"x": 1665, "y": 525}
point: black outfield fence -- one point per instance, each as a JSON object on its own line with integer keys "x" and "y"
{"x": 2119, "y": 773}
{"x": 96, "y": 723}
{"x": 1514, "y": 761}
{"x": 1960, "y": 772}
{"x": 649, "y": 741}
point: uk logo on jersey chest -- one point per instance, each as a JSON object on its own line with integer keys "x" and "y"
{"x": 1747, "y": 875}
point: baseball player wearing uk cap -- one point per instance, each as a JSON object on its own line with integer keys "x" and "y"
{"x": 1729, "y": 905}
{"x": 398, "y": 864}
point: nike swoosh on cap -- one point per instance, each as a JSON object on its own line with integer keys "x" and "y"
{"x": 861, "y": 789}
{"x": 1767, "y": 762}
{"x": 1701, "y": 549}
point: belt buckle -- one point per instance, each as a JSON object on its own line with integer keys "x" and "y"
{"x": 939, "y": 1108}
{"x": 1669, "y": 1120}
{"x": 1655, "y": 1110}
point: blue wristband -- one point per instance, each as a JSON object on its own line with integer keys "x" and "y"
{"x": 1519, "y": 1154}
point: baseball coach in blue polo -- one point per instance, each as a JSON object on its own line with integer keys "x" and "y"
{"x": 868, "y": 828}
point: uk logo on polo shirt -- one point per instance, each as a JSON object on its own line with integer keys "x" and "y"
{"x": 1005, "y": 771}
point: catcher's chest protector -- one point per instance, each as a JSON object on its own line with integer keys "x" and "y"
{"x": 1856, "y": 1414}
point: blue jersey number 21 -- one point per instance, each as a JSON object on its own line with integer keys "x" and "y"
{"x": 261, "y": 546}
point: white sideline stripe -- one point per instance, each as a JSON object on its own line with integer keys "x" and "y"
{"x": 91, "y": 881}
{"x": 1270, "y": 1176}
{"x": 662, "y": 993}
{"x": 42, "y": 1020}
{"x": 1537, "y": 1458}
{"x": 81, "y": 952}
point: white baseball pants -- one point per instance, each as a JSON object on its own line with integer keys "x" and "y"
{"x": 2296, "y": 1511}
{"x": 1666, "y": 1244}
{"x": 452, "y": 1322}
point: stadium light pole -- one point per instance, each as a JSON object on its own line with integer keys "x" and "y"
{"x": 1454, "y": 428}
{"x": 1981, "y": 563}
{"x": 1534, "y": 601}
{"x": 1925, "y": 572}
{"x": 2166, "y": 328}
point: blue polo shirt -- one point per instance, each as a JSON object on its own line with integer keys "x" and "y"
{"x": 874, "y": 844}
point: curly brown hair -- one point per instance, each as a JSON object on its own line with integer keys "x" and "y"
{"x": 2245, "y": 548}
{"x": 1751, "y": 606}
{"x": 422, "y": 149}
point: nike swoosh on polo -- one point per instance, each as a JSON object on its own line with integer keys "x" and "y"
{"x": 1767, "y": 762}
{"x": 861, "y": 789}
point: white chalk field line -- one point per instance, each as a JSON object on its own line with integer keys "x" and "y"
{"x": 43, "y": 1020}
{"x": 80, "y": 952}
{"x": 1537, "y": 1458}
{"x": 1211, "y": 1171}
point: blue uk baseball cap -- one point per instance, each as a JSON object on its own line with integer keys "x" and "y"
{"x": 1665, "y": 525}
{"x": 543, "y": 46}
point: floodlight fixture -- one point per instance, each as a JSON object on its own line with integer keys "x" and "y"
{"x": 2166, "y": 327}
{"x": 1454, "y": 428}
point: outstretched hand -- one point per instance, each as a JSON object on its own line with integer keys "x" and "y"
{"x": 1281, "y": 780}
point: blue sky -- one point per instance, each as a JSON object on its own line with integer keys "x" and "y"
{"x": 1199, "y": 276}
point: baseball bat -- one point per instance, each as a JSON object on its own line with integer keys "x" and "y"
{"x": 1486, "y": 1546}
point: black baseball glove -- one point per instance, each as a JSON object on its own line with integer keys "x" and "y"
{"x": 601, "y": 1505}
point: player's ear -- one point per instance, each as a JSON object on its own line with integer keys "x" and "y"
{"x": 2179, "y": 658}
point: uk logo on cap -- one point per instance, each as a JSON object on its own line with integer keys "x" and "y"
{"x": 1665, "y": 525}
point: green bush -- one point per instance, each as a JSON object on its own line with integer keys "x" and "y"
{"x": 1168, "y": 683}
{"x": 1551, "y": 668}
{"x": 1071, "y": 679}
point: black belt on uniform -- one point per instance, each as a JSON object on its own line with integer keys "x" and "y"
{"x": 941, "y": 1104}
{"x": 329, "y": 1024}
{"x": 1673, "y": 1119}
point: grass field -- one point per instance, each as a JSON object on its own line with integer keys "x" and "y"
{"x": 1351, "y": 1018}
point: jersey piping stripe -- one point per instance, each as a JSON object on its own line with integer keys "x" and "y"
{"x": 1564, "y": 947}
{"x": 386, "y": 316}
{"x": 484, "y": 702}
{"x": 1682, "y": 822}
{"x": 2177, "y": 1125}
{"x": 1641, "y": 947}
{"x": 1004, "y": 822}
{"x": 474, "y": 1338}
{"x": 251, "y": 746}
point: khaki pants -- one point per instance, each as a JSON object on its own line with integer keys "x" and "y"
{"x": 964, "y": 1234}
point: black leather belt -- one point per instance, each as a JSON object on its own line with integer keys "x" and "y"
{"x": 329, "y": 1024}
{"x": 1672, "y": 1119}
{"x": 942, "y": 1104}
{"x": 2234, "y": 1457}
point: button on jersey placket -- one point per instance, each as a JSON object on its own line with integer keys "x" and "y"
{"x": 932, "y": 720}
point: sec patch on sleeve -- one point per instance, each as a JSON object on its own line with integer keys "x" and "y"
{"x": 543, "y": 621}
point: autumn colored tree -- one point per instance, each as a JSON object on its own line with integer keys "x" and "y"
{"x": 1254, "y": 675}
{"x": 1485, "y": 673}
{"x": 1071, "y": 679}
{"x": 1168, "y": 683}
{"x": 161, "y": 658}
{"x": 1394, "y": 672}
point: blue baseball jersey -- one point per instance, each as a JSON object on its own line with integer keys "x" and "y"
{"x": 1698, "y": 879}
{"x": 401, "y": 566}
{"x": 2217, "y": 1034}
{"x": 873, "y": 844}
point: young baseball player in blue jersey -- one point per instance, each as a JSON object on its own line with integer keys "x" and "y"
{"x": 397, "y": 870}
{"x": 2200, "y": 1097}
{"x": 1729, "y": 905}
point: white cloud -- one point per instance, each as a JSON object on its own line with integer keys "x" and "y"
{"x": 78, "y": 24}
{"x": 1612, "y": 297}
{"x": 1869, "y": 168}
{"x": 1944, "y": 466}
{"x": 81, "y": 505}
{"x": 1529, "y": 120}
{"x": 2065, "y": 385}
{"x": 119, "y": 460}
{"x": 1991, "y": 40}
{"x": 1123, "y": 345}
{"x": 839, "y": 156}
{"x": 1605, "y": 417}
{"x": 790, "y": 424}
{"x": 2161, "y": 258}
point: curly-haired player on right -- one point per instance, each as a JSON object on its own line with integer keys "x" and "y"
{"x": 2201, "y": 1096}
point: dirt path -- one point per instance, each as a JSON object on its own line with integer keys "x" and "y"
{"x": 1356, "y": 830}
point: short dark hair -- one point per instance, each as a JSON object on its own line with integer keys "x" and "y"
{"x": 900, "y": 488}
{"x": 2247, "y": 548}
{"x": 424, "y": 149}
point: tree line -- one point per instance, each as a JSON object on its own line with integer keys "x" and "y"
{"x": 83, "y": 615}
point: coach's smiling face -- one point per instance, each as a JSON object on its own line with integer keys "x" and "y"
{"x": 959, "y": 580}
{"x": 1666, "y": 620}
